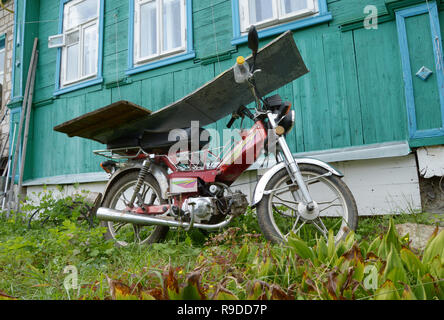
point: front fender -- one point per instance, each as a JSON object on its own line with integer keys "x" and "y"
{"x": 157, "y": 171}
{"x": 260, "y": 187}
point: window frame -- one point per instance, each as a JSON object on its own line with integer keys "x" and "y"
{"x": 138, "y": 64}
{"x": 280, "y": 23}
{"x": 62, "y": 86}
{"x": 160, "y": 32}
{"x": 3, "y": 48}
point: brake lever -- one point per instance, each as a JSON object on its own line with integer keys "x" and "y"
{"x": 251, "y": 76}
{"x": 234, "y": 117}
{"x": 230, "y": 124}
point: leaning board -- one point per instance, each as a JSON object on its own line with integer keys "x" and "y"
{"x": 279, "y": 60}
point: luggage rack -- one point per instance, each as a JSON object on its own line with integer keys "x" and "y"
{"x": 208, "y": 158}
{"x": 121, "y": 153}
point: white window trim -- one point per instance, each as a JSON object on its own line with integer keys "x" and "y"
{"x": 2, "y": 74}
{"x": 278, "y": 17}
{"x": 80, "y": 28}
{"x": 159, "y": 55}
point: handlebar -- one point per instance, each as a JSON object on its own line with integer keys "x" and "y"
{"x": 241, "y": 112}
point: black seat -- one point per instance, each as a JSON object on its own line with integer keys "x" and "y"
{"x": 156, "y": 141}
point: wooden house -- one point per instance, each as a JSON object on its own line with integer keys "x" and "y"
{"x": 374, "y": 94}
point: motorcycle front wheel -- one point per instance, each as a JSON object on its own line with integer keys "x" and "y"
{"x": 281, "y": 211}
{"x": 118, "y": 197}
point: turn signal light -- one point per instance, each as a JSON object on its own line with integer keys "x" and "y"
{"x": 280, "y": 130}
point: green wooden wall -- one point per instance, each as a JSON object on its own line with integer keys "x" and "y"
{"x": 354, "y": 94}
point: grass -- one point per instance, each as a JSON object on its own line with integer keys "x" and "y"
{"x": 33, "y": 260}
{"x": 371, "y": 225}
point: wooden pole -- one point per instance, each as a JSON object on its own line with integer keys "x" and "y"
{"x": 4, "y": 145}
{"x": 22, "y": 118}
{"x": 25, "y": 138}
{"x": 9, "y": 170}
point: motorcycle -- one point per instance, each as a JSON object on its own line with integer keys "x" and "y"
{"x": 152, "y": 192}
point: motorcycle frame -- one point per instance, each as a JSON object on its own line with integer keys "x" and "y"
{"x": 238, "y": 159}
{"x": 233, "y": 164}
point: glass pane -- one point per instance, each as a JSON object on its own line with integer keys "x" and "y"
{"x": 289, "y": 6}
{"x": 260, "y": 10}
{"x": 82, "y": 12}
{"x": 89, "y": 50}
{"x": 148, "y": 29}
{"x": 172, "y": 25}
{"x": 72, "y": 38}
{"x": 72, "y": 63}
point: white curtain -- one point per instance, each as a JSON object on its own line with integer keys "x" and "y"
{"x": 72, "y": 62}
{"x": 289, "y": 6}
{"x": 260, "y": 10}
{"x": 82, "y": 12}
{"x": 90, "y": 50}
{"x": 148, "y": 29}
{"x": 172, "y": 25}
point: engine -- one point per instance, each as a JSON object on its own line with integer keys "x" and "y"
{"x": 203, "y": 208}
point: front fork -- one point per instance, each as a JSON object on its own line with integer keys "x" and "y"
{"x": 292, "y": 166}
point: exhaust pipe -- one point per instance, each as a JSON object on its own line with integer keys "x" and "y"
{"x": 107, "y": 214}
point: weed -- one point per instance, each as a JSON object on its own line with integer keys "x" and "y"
{"x": 236, "y": 263}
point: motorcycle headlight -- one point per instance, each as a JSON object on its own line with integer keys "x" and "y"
{"x": 288, "y": 121}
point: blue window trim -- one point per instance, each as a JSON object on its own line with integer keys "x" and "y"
{"x": 189, "y": 54}
{"x": 2, "y": 39}
{"x": 14, "y": 54}
{"x": 87, "y": 83}
{"x": 238, "y": 38}
{"x": 13, "y": 66}
{"x": 401, "y": 15}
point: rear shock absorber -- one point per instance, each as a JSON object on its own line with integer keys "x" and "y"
{"x": 142, "y": 175}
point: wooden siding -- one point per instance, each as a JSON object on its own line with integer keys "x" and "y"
{"x": 354, "y": 94}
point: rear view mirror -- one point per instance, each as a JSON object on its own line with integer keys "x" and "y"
{"x": 253, "y": 40}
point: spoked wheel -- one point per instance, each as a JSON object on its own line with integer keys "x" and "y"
{"x": 119, "y": 196}
{"x": 281, "y": 211}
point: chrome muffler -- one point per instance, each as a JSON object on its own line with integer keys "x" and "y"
{"x": 107, "y": 214}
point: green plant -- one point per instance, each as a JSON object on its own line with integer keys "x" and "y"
{"x": 233, "y": 264}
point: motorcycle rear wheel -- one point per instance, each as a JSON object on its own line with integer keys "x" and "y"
{"x": 281, "y": 213}
{"x": 119, "y": 193}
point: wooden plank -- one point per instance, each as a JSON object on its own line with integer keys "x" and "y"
{"x": 280, "y": 62}
{"x": 381, "y": 87}
{"x": 351, "y": 88}
{"x": 313, "y": 91}
{"x": 420, "y": 51}
{"x": 158, "y": 91}
{"x": 337, "y": 101}
{"x": 131, "y": 93}
{"x": 346, "y": 11}
{"x": 104, "y": 121}
{"x": 213, "y": 29}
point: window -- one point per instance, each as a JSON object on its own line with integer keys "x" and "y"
{"x": 79, "y": 56}
{"x": 159, "y": 29}
{"x": 263, "y": 13}
{"x": 161, "y": 33}
{"x": 272, "y": 17}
